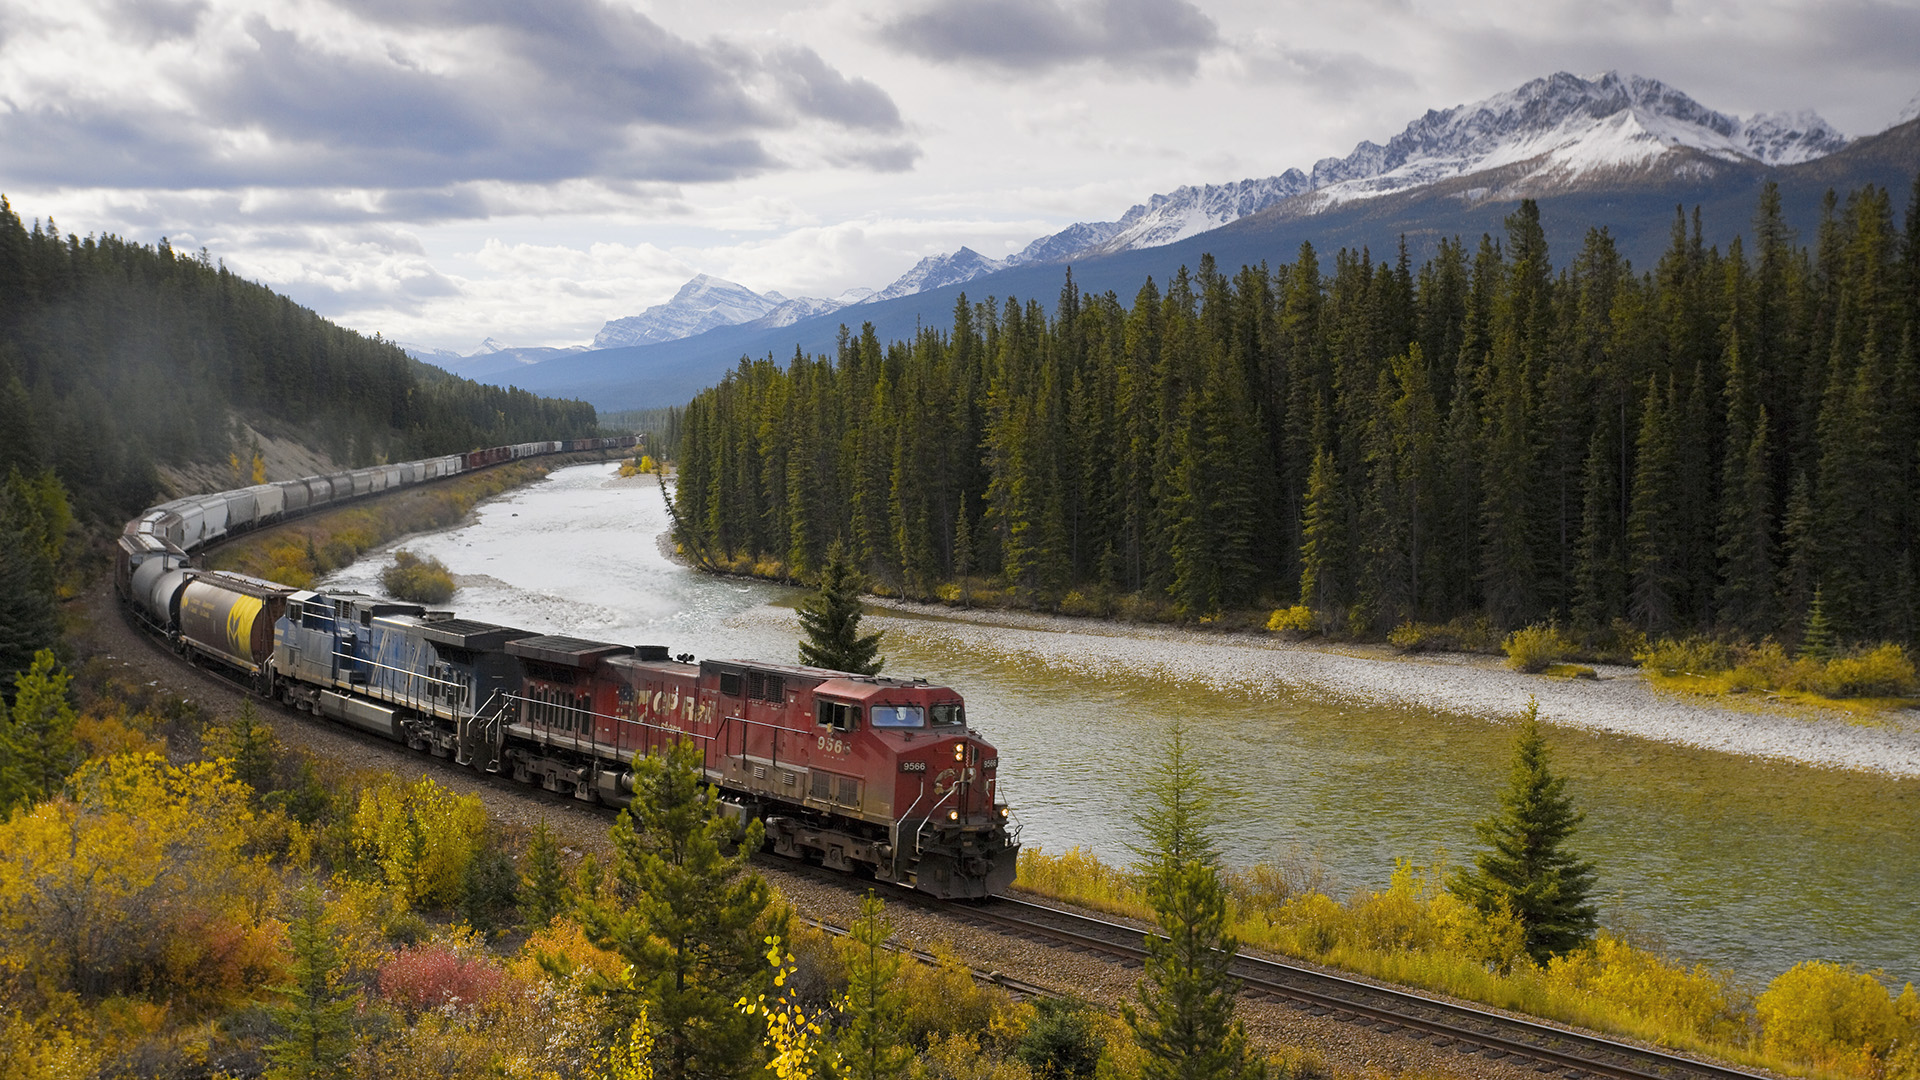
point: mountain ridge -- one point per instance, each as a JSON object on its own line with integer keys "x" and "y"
{"x": 1635, "y": 206}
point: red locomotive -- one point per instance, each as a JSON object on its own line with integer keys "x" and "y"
{"x": 876, "y": 774}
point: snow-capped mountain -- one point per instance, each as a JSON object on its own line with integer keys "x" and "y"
{"x": 701, "y": 305}
{"x": 1164, "y": 219}
{"x": 1568, "y": 127}
{"x": 1553, "y": 134}
{"x": 936, "y": 271}
{"x": 705, "y": 303}
{"x": 1911, "y": 112}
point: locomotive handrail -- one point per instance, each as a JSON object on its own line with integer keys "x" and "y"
{"x": 777, "y": 730}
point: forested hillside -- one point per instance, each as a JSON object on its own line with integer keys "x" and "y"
{"x": 115, "y": 356}
{"x": 1704, "y": 444}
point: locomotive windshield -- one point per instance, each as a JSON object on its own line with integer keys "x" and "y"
{"x": 950, "y": 716}
{"x": 897, "y": 716}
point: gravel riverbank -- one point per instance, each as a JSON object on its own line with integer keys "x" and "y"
{"x": 1619, "y": 701}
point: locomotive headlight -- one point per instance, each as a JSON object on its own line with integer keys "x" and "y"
{"x": 1005, "y": 812}
{"x": 959, "y": 751}
{"x": 953, "y": 815}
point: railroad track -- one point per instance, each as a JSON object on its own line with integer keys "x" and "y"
{"x": 1493, "y": 1036}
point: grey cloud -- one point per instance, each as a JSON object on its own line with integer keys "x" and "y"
{"x": 818, "y": 90}
{"x": 1160, "y": 37}
{"x": 423, "y": 206}
{"x": 882, "y": 157}
{"x": 1324, "y": 73}
{"x": 153, "y": 21}
{"x": 407, "y": 295}
{"x": 557, "y": 91}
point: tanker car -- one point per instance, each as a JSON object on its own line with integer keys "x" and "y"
{"x": 874, "y": 775}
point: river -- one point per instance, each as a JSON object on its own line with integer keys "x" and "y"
{"x": 1744, "y": 864}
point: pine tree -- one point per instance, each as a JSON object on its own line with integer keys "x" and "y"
{"x": 872, "y": 1041}
{"x": 1816, "y": 637}
{"x": 38, "y": 741}
{"x": 690, "y": 919}
{"x": 831, "y": 620}
{"x": 1653, "y": 525}
{"x": 1061, "y": 1042}
{"x": 28, "y": 617}
{"x": 1323, "y": 554}
{"x": 545, "y": 892}
{"x": 317, "y": 1018}
{"x": 249, "y": 744}
{"x": 1527, "y": 869}
{"x": 1184, "y": 1021}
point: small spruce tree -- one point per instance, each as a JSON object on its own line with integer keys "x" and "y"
{"x": 544, "y": 889}
{"x": 37, "y": 741}
{"x": 689, "y": 916}
{"x": 316, "y": 1018}
{"x": 831, "y": 620}
{"x": 1061, "y": 1042}
{"x": 1184, "y": 1021}
{"x": 248, "y": 743}
{"x": 872, "y": 1044}
{"x": 1816, "y": 637}
{"x": 1527, "y": 868}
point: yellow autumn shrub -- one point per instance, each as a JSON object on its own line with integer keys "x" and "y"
{"x": 418, "y": 837}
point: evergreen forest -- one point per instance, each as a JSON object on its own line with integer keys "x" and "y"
{"x": 1722, "y": 442}
{"x": 116, "y": 356}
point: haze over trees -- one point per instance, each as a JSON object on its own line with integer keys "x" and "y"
{"x": 116, "y": 356}
{"x": 1706, "y": 444}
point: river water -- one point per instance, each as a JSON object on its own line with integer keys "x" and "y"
{"x": 1745, "y": 864}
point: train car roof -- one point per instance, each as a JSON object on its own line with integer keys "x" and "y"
{"x": 805, "y": 672}
{"x": 565, "y": 651}
{"x": 461, "y": 633}
{"x": 862, "y": 689}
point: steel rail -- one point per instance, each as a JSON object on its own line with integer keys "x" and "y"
{"x": 1387, "y": 1009}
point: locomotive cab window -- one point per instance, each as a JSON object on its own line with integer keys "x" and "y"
{"x": 837, "y": 715}
{"x": 897, "y": 716}
{"x": 950, "y": 716}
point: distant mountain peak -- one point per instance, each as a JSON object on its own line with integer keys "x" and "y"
{"x": 703, "y": 303}
{"x": 1911, "y": 112}
{"x": 1570, "y": 127}
{"x": 938, "y": 271}
{"x": 708, "y": 303}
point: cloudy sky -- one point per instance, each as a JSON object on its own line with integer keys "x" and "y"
{"x": 448, "y": 170}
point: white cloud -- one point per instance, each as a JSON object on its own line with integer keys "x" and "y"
{"x": 445, "y": 170}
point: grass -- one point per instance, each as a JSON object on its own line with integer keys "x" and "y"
{"x": 1416, "y": 933}
{"x": 1862, "y": 681}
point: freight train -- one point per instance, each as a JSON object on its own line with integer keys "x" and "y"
{"x": 872, "y": 775}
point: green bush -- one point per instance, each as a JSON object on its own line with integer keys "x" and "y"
{"x": 1536, "y": 648}
{"x": 417, "y": 580}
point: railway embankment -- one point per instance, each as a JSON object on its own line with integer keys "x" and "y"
{"x": 1335, "y": 1046}
{"x": 1618, "y": 701}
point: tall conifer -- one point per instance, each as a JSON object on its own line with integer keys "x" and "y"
{"x": 1527, "y": 869}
